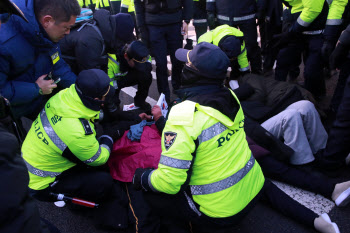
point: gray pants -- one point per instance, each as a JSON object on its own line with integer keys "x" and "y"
{"x": 300, "y": 127}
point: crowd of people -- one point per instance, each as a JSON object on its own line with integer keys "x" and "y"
{"x": 238, "y": 121}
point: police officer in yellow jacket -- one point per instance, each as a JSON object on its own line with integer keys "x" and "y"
{"x": 231, "y": 42}
{"x": 206, "y": 165}
{"x": 305, "y": 35}
{"x": 61, "y": 150}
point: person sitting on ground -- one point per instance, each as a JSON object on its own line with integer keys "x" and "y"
{"x": 63, "y": 155}
{"x": 282, "y": 110}
{"x": 87, "y": 45}
{"x": 231, "y": 42}
{"x": 131, "y": 67}
{"x": 29, "y": 52}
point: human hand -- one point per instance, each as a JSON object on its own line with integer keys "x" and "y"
{"x": 144, "y": 116}
{"x": 46, "y": 86}
{"x": 184, "y": 29}
{"x": 156, "y": 112}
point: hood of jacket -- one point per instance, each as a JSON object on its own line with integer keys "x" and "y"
{"x": 68, "y": 104}
{"x": 32, "y": 30}
{"x": 108, "y": 30}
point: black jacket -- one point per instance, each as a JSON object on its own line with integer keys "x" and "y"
{"x": 87, "y": 48}
{"x": 18, "y": 211}
{"x": 162, "y": 12}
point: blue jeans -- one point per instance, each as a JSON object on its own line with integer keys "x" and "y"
{"x": 164, "y": 40}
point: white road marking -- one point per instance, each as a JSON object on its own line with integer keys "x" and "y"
{"x": 131, "y": 91}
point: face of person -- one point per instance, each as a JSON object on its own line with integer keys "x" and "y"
{"x": 57, "y": 30}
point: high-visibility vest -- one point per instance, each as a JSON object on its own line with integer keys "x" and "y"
{"x": 128, "y": 4}
{"x": 225, "y": 176}
{"x": 57, "y": 127}
{"x": 214, "y": 37}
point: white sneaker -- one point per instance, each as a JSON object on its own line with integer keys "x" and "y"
{"x": 327, "y": 219}
{"x": 343, "y": 199}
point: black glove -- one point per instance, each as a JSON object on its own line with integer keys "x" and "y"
{"x": 140, "y": 179}
{"x": 327, "y": 49}
{"x": 282, "y": 40}
{"x": 338, "y": 56}
{"x": 189, "y": 44}
{"x": 145, "y": 36}
{"x": 211, "y": 20}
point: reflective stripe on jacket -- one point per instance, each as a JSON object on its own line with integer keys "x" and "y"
{"x": 214, "y": 37}
{"x": 128, "y": 4}
{"x": 56, "y": 128}
{"x": 309, "y": 9}
{"x": 225, "y": 176}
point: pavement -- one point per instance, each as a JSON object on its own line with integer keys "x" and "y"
{"x": 262, "y": 219}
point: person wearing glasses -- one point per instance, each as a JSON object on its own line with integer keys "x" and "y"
{"x": 231, "y": 42}
{"x": 88, "y": 44}
{"x": 131, "y": 67}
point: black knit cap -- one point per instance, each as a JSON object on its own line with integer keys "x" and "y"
{"x": 91, "y": 84}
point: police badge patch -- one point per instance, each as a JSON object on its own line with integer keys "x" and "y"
{"x": 169, "y": 139}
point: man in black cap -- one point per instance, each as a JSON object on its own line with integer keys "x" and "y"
{"x": 204, "y": 151}
{"x": 86, "y": 47}
{"x": 131, "y": 67}
{"x": 62, "y": 153}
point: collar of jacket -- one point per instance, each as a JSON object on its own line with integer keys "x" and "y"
{"x": 68, "y": 104}
{"x": 32, "y": 30}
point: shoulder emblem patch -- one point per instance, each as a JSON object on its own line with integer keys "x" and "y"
{"x": 169, "y": 139}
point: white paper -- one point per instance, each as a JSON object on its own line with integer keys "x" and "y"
{"x": 163, "y": 104}
{"x": 130, "y": 107}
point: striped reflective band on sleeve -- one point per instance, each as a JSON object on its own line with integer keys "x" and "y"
{"x": 211, "y": 132}
{"x": 93, "y": 158}
{"x": 244, "y": 69}
{"x": 252, "y": 16}
{"x": 334, "y": 22}
{"x": 51, "y": 132}
{"x": 210, "y": 0}
{"x": 223, "y": 17}
{"x": 175, "y": 163}
{"x": 39, "y": 172}
{"x": 317, "y": 32}
{"x": 125, "y": 6}
{"x": 302, "y": 22}
{"x": 199, "y": 20}
{"x": 107, "y": 147}
{"x": 225, "y": 183}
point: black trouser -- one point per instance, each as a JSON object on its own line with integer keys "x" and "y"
{"x": 338, "y": 144}
{"x": 175, "y": 211}
{"x": 248, "y": 27}
{"x": 143, "y": 81}
{"x": 313, "y": 73}
{"x": 269, "y": 53}
{"x": 94, "y": 185}
{"x": 199, "y": 19}
{"x": 166, "y": 39}
{"x": 175, "y": 214}
{"x": 115, "y": 7}
{"x": 280, "y": 171}
{"x": 339, "y": 90}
